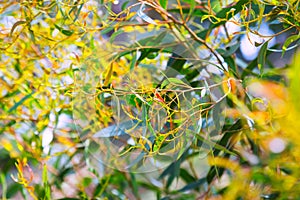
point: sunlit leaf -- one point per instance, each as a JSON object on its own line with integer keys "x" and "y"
{"x": 289, "y": 41}
{"x": 175, "y": 81}
{"x": 163, "y": 3}
{"x": 46, "y": 183}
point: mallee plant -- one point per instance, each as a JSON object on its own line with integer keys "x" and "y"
{"x": 162, "y": 99}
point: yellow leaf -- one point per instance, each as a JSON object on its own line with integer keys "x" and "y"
{"x": 108, "y": 75}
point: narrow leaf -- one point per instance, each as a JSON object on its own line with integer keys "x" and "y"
{"x": 15, "y": 26}
{"x": 176, "y": 81}
{"x": 289, "y": 41}
{"x": 192, "y": 8}
{"x": 214, "y": 145}
{"x": 115, "y": 34}
{"x": 133, "y": 61}
{"x": 46, "y": 184}
{"x": 64, "y": 31}
{"x": 134, "y": 184}
{"x": 193, "y": 185}
{"x": 108, "y": 75}
{"x": 172, "y": 80}
{"x": 117, "y": 130}
{"x": 261, "y": 60}
{"x": 124, "y": 6}
{"x": 186, "y": 176}
{"x": 20, "y": 102}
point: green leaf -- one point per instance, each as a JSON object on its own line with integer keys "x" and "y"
{"x": 213, "y": 172}
{"x": 251, "y": 66}
{"x": 150, "y": 41}
{"x": 13, "y": 189}
{"x": 17, "y": 67}
{"x": 175, "y": 173}
{"x": 46, "y": 184}
{"x": 186, "y": 176}
{"x": 124, "y": 5}
{"x": 163, "y": 3}
{"x": 134, "y": 184}
{"x": 149, "y": 186}
{"x": 146, "y": 53}
{"x": 20, "y": 102}
{"x": 64, "y": 31}
{"x": 117, "y": 129}
{"x": 193, "y": 185}
{"x": 231, "y": 49}
{"x": 214, "y": 145}
{"x": 153, "y": 55}
{"x": 173, "y": 170}
{"x": 192, "y": 7}
{"x": 45, "y": 176}
{"x": 261, "y": 60}
{"x": 4, "y": 185}
{"x": 230, "y": 131}
{"x": 115, "y": 34}
{"x": 86, "y": 181}
{"x": 288, "y": 41}
{"x": 175, "y": 81}
{"x": 133, "y": 61}
{"x": 176, "y": 63}
{"x": 216, "y": 115}
{"x": 231, "y": 64}
{"x": 106, "y": 30}
{"x": 78, "y": 12}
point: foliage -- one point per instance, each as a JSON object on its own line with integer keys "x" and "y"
{"x": 226, "y": 127}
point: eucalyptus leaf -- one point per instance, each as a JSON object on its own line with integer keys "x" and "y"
{"x": 261, "y": 60}
{"x": 117, "y": 129}
{"x": 289, "y": 41}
